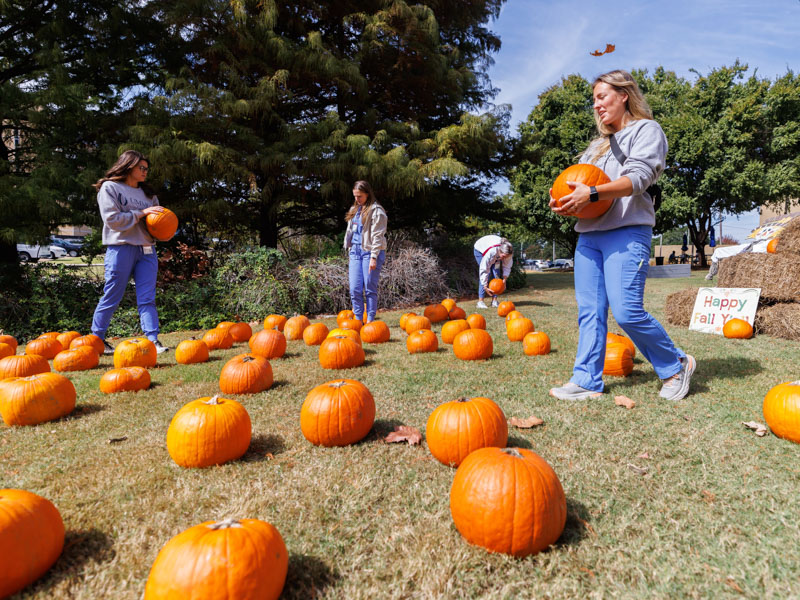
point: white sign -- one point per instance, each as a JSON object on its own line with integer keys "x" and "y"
{"x": 716, "y": 306}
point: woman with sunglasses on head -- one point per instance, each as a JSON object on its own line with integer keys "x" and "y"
{"x": 611, "y": 258}
{"x": 125, "y": 200}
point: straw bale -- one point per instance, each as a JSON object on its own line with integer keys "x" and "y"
{"x": 779, "y": 320}
{"x": 789, "y": 238}
{"x": 679, "y": 307}
{"x": 778, "y": 275}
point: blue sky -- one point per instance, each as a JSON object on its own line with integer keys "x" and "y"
{"x": 544, "y": 41}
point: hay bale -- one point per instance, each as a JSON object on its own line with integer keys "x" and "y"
{"x": 679, "y": 306}
{"x": 778, "y": 275}
{"x": 779, "y": 320}
{"x": 789, "y": 238}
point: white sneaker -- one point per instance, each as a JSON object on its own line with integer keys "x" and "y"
{"x": 495, "y": 303}
{"x": 160, "y": 347}
{"x": 481, "y": 304}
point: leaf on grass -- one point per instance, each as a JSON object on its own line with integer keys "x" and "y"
{"x": 644, "y": 455}
{"x": 731, "y": 583}
{"x": 624, "y": 401}
{"x": 638, "y": 470}
{"x": 709, "y": 497}
{"x": 404, "y": 433}
{"x": 525, "y": 423}
{"x": 117, "y": 440}
{"x": 269, "y": 455}
{"x": 759, "y": 428}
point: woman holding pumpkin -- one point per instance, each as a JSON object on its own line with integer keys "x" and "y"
{"x": 125, "y": 200}
{"x": 494, "y": 255}
{"x": 613, "y": 250}
{"x": 365, "y": 242}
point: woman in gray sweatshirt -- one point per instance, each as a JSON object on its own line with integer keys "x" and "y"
{"x": 611, "y": 258}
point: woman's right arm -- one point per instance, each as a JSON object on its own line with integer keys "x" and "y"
{"x": 112, "y": 215}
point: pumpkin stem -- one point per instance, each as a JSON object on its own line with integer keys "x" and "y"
{"x": 337, "y": 384}
{"x": 213, "y": 401}
{"x": 226, "y": 524}
{"x": 248, "y": 358}
{"x": 512, "y": 452}
{"x": 463, "y": 399}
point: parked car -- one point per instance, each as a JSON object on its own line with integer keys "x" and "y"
{"x": 563, "y": 263}
{"x": 28, "y": 253}
{"x": 72, "y": 247}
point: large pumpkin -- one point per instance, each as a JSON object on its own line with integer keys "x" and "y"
{"x": 737, "y": 329}
{"x": 81, "y": 358}
{"x": 344, "y": 315}
{"x": 269, "y": 343}
{"x": 536, "y": 343}
{"x": 218, "y": 339}
{"x": 340, "y": 352}
{"x": 209, "y": 431}
{"x": 23, "y": 365}
{"x": 514, "y": 314}
{"x": 136, "y": 352}
{"x": 404, "y": 318}
{"x": 782, "y": 410}
{"x": 295, "y": 326}
{"x": 240, "y": 332}
{"x": 67, "y": 337}
{"x": 473, "y": 344}
{"x": 6, "y": 350}
{"x": 353, "y": 324}
{"x": 348, "y": 333}
{"x": 504, "y": 308}
{"x": 421, "y": 341}
{"x": 245, "y": 374}
{"x": 190, "y": 352}
{"x": 498, "y": 286}
{"x": 375, "y": 332}
{"x": 44, "y": 346}
{"x": 31, "y": 539}
{"x": 243, "y": 559}
{"x": 588, "y": 175}
{"x": 508, "y": 500}
{"x": 448, "y": 303}
{"x": 453, "y": 328}
{"x": 436, "y": 313}
{"x": 476, "y": 321}
{"x": 10, "y": 340}
{"x": 612, "y": 338}
{"x": 125, "y": 379}
{"x": 618, "y": 360}
{"x": 517, "y": 329}
{"x": 457, "y": 313}
{"x": 162, "y": 225}
{"x": 457, "y": 428}
{"x": 89, "y": 339}
{"x": 337, "y": 413}
{"x": 417, "y": 322}
{"x": 36, "y": 399}
{"x": 315, "y": 334}
{"x": 273, "y": 321}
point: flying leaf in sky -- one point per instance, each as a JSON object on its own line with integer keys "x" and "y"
{"x": 609, "y": 48}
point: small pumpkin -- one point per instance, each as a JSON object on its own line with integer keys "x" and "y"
{"x": 135, "y": 352}
{"x": 612, "y": 338}
{"x": 782, "y": 410}
{"x": 457, "y": 313}
{"x": 245, "y": 374}
{"x": 44, "y": 346}
{"x": 89, "y": 339}
{"x": 453, "y": 328}
{"x": 376, "y": 332}
{"x": 269, "y": 343}
{"x": 337, "y": 413}
{"x": 504, "y": 308}
{"x": 67, "y": 337}
{"x": 473, "y": 344}
{"x": 421, "y": 341}
{"x": 315, "y": 334}
{"x": 404, "y": 318}
{"x": 81, "y": 358}
{"x": 162, "y": 225}
{"x": 436, "y": 313}
{"x": 209, "y": 431}
{"x": 225, "y": 560}
{"x": 498, "y": 286}
{"x": 191, "y": 352}
{"x": 508, "y": 500}
{"x": 772, "y": 245}
{"x": 6, "y": 350}
{"x": 31, "y": 538}
{"x": 273, "y": 321}
{"x": 295, "y": 326}
{"x": 23, "y": 365}
{"x": 9, "y": 339}
{"x": 51, "y": 335}
{"x": 36, "y": 399}
{"x": 340, "y": 352}
{"x": 737, "y": 329}
{"x": 240, "y": 332}
{"x": 517, "y": 329}
{"x": 344, "y": 315}
{"x": 589, "y": 175}
{"x": 350, "y": 333}
{"x": 125, "y": 379}
{"x": 416, "y": 323}
{"x": 618, "y": 360}
{"x": 448, "y": 303}
{"x": 353, "y": 324}
{"x": 461, "y": 426}
{"x": 476, "y": 321}
{"x": 218, "y": 339}
{"x": 536, "y": 343}
{"x": 514, "y": 314}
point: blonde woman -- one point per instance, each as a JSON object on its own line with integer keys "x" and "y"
{"x": 365, "y": 242}
{"x": 611, "y": 258}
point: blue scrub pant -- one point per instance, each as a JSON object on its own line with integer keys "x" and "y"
{"x": 610, "y": 270}
{"x": 121, "y": 262}
{"x": 363, "y": 282}
{"x": 493, "y": 273}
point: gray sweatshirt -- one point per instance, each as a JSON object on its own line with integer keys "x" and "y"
{"x": 123, "y": 220}
{"x": 645, "y": 145}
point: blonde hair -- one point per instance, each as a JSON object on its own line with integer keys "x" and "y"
{"x": 362, "y": 186}
{"x": 636, "y": 107}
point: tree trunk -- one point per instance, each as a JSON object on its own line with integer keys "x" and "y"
{"x": 268, "y": 225}
{"x": 9, "y": 262}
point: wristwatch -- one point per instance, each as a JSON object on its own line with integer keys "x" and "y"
{"x": 593, "y": 195}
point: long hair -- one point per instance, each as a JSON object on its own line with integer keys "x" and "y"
{"x": 636, "y": 107}
{"x": 121, "y": 169}
{"x": 362, "y": 186}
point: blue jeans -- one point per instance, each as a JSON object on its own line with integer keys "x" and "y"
{"x": 363, "y": 282}
{"x": 610, "y": 270}
{"x": 493, "y": 273}
{"x": 121, "y": 262}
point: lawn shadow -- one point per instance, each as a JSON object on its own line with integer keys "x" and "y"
{"x": 577, "y": 526}
{"x": 308, "y": 577}
{"x": 531, "y": 303}
{"x": 83, "y": 409}
{"x": 383, "y": 427}
{"x": 519, "y": 442}
{"x": 80, "y": 548}
{"x": 264, "y": 447}
{"x": 277, "y": 383}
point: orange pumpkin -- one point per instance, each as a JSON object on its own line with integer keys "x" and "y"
{"x": 476, "y": 321}
{"x": 459, "y": 427}
{"x": 89, "y": 339}
{"x": 224, "y": 560}
{"x": 436, "y": 313}
{"x": 453, "y": 328}
{"x": 375, "y": 332}
{"x": 344, "y": 315}
{"x": 349, "y": 333}
{"x": 31, "y": 539}
{"x": 504, "y": 308}
{"x": 209, "y": 431}
{"x": 36, "y": 399}
{"x": 190, "y": 352}
{"x": 498, "y": 286}
{"x": 421, "y": 341}
{"x": 508, "y": 500}
{"x": 448, "y": 303}
{"x": 218, "y": 339}
{"x": 269, "y": 343}
{"x": 417, "y": 322}
{"x": 23, "y": 365}
{"x": 67, "y": 337}
{"x": 245, "y": 374}
{"x": 52, "y": 335}
{"x": 81, "y": 358}
{"x": 517, "y": 329}
{"x": 273, "y": 321}
{"x": 337, "y": 413}
{"x": 10, "y": 340}
{"x": 404, "y": 318}
{"x": 136, "y": 352}
{"x": 612, "y": 338}
{"x": 240, "y": 332}
{"x": 353, "y": 324}
{"x": 536, "y": 343}
{"x": 6, "y": 350}
{"x": 473, "y": 344}
{"x": 589, "y": 175}
{"x": 618, "y": 360}
{"x": 162, "y": 225}
{"x": 44, "y": 346}
{"x": 340, "y": 352}
{"x": 514, "y": 314}
{"x": 315, "y": 334}
{"x": 295, "y": 326}
{"x": 772, "y": 245}
{"x": 738, "y": 329}
{"x": 457, "y": 313}
{"x": 125, "y": 379}
{"x": 782, "y": 410}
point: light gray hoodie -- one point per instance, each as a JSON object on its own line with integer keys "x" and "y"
{"x": 121, "y": 208}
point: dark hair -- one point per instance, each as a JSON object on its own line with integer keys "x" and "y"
{"x": 122, "y": 168}
{"x": 362, "y": 186}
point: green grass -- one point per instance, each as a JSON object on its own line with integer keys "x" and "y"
{"x": 715, "y": 516}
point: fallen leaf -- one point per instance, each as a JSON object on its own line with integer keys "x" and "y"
{"x": 638, "y": 470}
{"x": 731, "y": 583}
{"x": 643, "y": 455}
{"x": 404, "y": 433}
{"x": 759, "y": 428}
{"x": 117, "y": 440}
{"x": 525, "y": 423}
{"x": 624, "y": 401}
{"x": 708, "y": 496}
{"x": 269, "y": 455}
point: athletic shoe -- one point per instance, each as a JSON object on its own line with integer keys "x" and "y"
{"x": 160, "y": 347}
{"x": 677, "y": 386}
{"x": 107, "y": 348}
{"x": 481, "y": 304}
{"x": 495, "y": 303}
{"x": 572, "y": 391}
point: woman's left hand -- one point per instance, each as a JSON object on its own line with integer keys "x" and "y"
{"x": 572, "y": 203}
{"x": 373, "y": 264}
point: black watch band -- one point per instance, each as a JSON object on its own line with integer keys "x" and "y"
{"x": 593, "y": 195}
